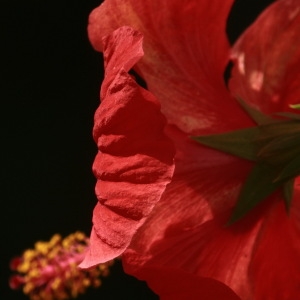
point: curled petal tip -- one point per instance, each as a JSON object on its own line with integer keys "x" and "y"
{"x": 135, "y": 158}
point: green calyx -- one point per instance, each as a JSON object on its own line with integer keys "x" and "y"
{"x": 274, "y": 146}
{"x": 295, "y": 106}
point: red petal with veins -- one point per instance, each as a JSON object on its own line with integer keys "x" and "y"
{"x": 258, "y": 257}
{"x": 205, "y": 185}
{"x": 186, "y": 51}
{"x": 275, "y": 264}
{"x": 135, "y": 159}
{"x": 191, "y": 218}
{"x": 267, "y": 59}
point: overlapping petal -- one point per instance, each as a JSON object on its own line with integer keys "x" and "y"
{"x": 180, "y": 285}
{"x": 277, "y": 249}
{"x": 258, "y": 258}
{"x": 186, "y": 51}
{"x": 135, "y": 158}
{"x": 192, "y": 217}
{"x": 191, "y": 199}
{"x": 267, "y": 57}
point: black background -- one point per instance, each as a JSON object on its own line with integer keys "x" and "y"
{"x": 49, "y": 92}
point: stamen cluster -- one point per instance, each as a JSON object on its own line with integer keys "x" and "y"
{"x": 50, "y": 270}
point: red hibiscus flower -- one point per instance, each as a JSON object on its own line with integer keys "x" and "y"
{"x": 171, "y": 224}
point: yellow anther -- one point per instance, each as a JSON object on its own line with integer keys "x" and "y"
{"x": 52, "y": 255}
{"x": 29, "y": 254}
{"x": 80, "y": 236}
{"x": 86, "y": 282}
{"x": 50, "y": 271}
{"x": 74, "y": 271}
{"x": 56, "y": 283}
{"x": 55, "y": 239}
{"x": 102, "y": 267}
{"x": 34, "y": 273}
{"x": 43, "y": 262}
{"x": 34, "y": 264}
{"x": 53, "y": 252}
{"x": 66, "y": 243}
{"x": 73, "y": 266}
{"x": 24, "y": 267}
{"x": 42, "y": 247}
{"x": 28, "y": 287}
{"x": 81, "y": 248}
{"x": 68, "y": 274}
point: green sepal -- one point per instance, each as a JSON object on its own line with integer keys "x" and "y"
{"x": 274, "y": 145}
{"x": 288, "y": 115}
{"x": 280, "y": 150}
{"x": 279, "y": 142}
{"x": 257, "y": 116}
{"x": 292, "y": 169}
{"x": 295, "y": 106}
{"x": 258, "y": 186}
{"x": 278, "y": 129}
{"x": 288, "y": 189}
{"x": 239, "y": 143}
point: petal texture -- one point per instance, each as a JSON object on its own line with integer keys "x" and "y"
{"x": 185, "y": 57}
{"x": 267, "y": 59}
{"x": 186, "y": 230}
{"x": 175, "y": 284}
{"x": 135, "y": 159}
{"x": 202, "y": 188}
{"x": 278, "y": 249}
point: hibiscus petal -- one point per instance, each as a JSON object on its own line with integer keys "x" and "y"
{"x": 205, "y": 184}
{"x": 135, "y": 158}
{"x": 185, "y": 57}
{"x": 209, "y": 250}
{"x": 267, "y": 59}
{"x": 174, "y": 284}
{"x": 278, "y": 249}
{"x": 192, "y": 236}
{"x": 186, "y": 229}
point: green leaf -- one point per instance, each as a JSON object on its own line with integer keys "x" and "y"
{"x": 239, "y": 143}
{"x": 258, "y": 186}
{"x": 288, "y": 189}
